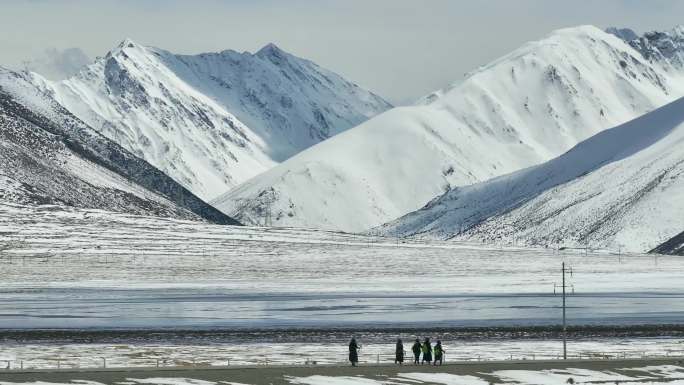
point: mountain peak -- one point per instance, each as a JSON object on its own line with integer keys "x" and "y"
{"x": 270, "y": 47}
{"x": 271, "y": 50}
{"x": 127, "y": 43}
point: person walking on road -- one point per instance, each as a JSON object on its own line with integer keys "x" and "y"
{"x": 399, "y": 354}
{"x": 416, "y": 351}
{"x": 427, "y": 352}
{"x": 354, "y": 352}
{"x": 439, "y": 353}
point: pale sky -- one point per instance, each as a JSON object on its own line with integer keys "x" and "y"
{"x": 399, "y": 49}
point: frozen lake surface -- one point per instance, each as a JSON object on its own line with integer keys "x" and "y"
{"x": 90, "y": 269}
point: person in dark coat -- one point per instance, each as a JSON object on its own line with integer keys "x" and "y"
{"x": 416, "y": 351}
{"x": 399, "y": 357}
{"x": 439, "y": 353}
{"x": 427, "y": 352}
{"x": 354, "y": 352}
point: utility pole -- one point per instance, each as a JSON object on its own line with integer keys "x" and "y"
{"x": 565, "y": 326}
{"x": 563, "y": 287}
{"x": 266, "y": 211}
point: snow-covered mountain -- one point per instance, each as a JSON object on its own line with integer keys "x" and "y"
{"x": 211, "y": 121}
{"x": 520, "y": 110}
{"x": 620, "y": 189}
{"x": 47, "y": 156}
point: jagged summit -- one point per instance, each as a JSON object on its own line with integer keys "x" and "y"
{"x": 128, "y": 49}
{"x": 277, "y": 56}
{"x": 269, "y": 51}
{"x": 126, "y": 44}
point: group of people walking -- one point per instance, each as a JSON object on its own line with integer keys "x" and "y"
{"x": 425, "y": 349}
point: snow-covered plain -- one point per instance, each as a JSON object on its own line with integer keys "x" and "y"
{"x": 82, "y": 268}
{"x": 667, "y": 374}
{"x": 520, "y": 110}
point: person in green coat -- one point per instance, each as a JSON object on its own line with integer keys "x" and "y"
{"x": 427, "y": 352}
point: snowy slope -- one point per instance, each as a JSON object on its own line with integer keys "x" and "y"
{"x": 211, "y": 121}
{"x": 524, "y": 108}
{"x": 620, "y": 189}
{"x": 47, "y": 156}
